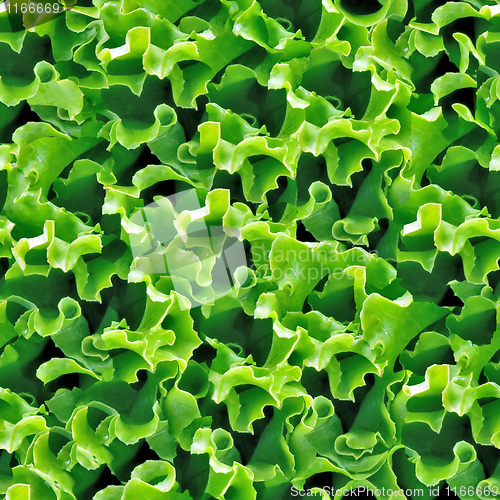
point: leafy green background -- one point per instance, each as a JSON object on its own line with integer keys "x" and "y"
{"x": 358, "y": 139}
